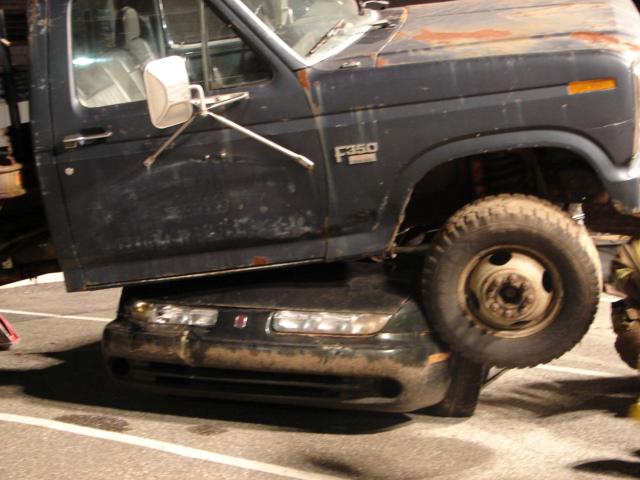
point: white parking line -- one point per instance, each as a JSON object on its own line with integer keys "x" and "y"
{"x": 46, "y": 278}
{"x": 166, "y": 447}
{"x": 54, "y": 315}
{"x": 578, "y": 371}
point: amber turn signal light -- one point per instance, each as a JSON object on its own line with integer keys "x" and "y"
{"x": 586, "y": 86}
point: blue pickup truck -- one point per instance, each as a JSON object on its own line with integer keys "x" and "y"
{"x": 177, "y": 139}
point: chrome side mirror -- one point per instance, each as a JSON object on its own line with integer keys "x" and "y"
{"x": 166, "y": 84}
{"x": 170, "y": 102}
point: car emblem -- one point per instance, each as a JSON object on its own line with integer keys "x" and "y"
{"x": 358, "y": 153}
{"x": 240, "y": 321}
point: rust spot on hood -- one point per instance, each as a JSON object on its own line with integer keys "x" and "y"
{"x": 303, "y": 78}
{"x": 595, "y": 37}
{"x": 605, "y": 39}
{"x": 382, "y": 62}
{"x": 427, "y": 35}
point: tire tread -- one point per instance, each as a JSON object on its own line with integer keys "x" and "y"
{"x": 486, "y": 211}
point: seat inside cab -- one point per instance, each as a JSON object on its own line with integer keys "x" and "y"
{"x": 109, "y": 59}
{"x": 113, "y": 41}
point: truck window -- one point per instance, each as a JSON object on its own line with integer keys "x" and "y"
{"x": 182, "y": 19}
{"x": 230, "y": 61}
{"x": 314, "y": 29}
{"x": 112, "y": 42}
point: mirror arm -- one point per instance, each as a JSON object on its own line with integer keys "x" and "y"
{"x": 150, "y": 160}
{"x": 200, "y": 102}
{"x": 222, "y": 100}
{"x": 204, "y": 106}
{"x": 301, "y": 159}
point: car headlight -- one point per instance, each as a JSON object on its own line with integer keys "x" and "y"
{"x": 160, "y": 313}
{"x": 288, "y": 321}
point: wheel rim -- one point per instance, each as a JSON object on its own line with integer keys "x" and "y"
{"x": 511, "y": 291}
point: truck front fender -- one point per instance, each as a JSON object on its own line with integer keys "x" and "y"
{"x": 622, "y": 183}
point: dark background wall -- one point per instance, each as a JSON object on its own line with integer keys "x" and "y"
{"x": 15, "y": 13}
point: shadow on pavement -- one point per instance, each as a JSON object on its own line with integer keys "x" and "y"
{"x": 619, "y": 468}
{"x": 82, "y": 379}
{"x": 552, "y": 398}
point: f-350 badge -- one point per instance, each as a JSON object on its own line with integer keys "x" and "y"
{"x": 358, "y": 153}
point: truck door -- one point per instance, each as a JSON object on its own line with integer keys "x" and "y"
{"x": 217, "y": 199}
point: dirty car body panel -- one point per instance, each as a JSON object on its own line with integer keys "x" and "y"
{"x": 400, "y": 368}
{"x": 217, "y": 201}
{"x": 421, "y": 86}
{"x": 463, "y": 78}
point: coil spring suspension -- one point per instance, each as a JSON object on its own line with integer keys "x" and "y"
{"x": 499, "y": 174}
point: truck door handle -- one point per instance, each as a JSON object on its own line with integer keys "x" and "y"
{"x": 80, "y": 139}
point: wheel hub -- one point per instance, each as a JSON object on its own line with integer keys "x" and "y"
{"x": 509, "y": 291}
{"x": 509, "y": 297}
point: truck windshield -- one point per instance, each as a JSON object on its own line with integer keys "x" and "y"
{"x": 313, "y": 28}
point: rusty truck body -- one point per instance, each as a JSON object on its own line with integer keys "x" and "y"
{"x": 281, "y": 133}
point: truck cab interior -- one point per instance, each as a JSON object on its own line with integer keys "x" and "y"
{"x": 113, "y": 41}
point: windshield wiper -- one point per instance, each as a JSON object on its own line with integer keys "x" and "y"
{"x": 372, "y": 5}
{"x": 331, "y": 33}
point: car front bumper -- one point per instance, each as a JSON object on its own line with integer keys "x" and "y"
{"x": 395, "y": 372}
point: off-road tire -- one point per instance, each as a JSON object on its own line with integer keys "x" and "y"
{"x": 516, "y": 221}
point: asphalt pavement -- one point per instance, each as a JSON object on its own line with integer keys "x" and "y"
{"x": 62, "y": 418}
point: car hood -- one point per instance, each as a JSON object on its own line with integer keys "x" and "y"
{"x": 353, "y": 287}
{"x": 477, "y": 28}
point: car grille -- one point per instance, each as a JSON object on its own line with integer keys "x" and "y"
{"x": 242, "y": 382}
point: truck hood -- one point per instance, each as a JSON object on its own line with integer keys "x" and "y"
{"x": 477, "y": 28}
